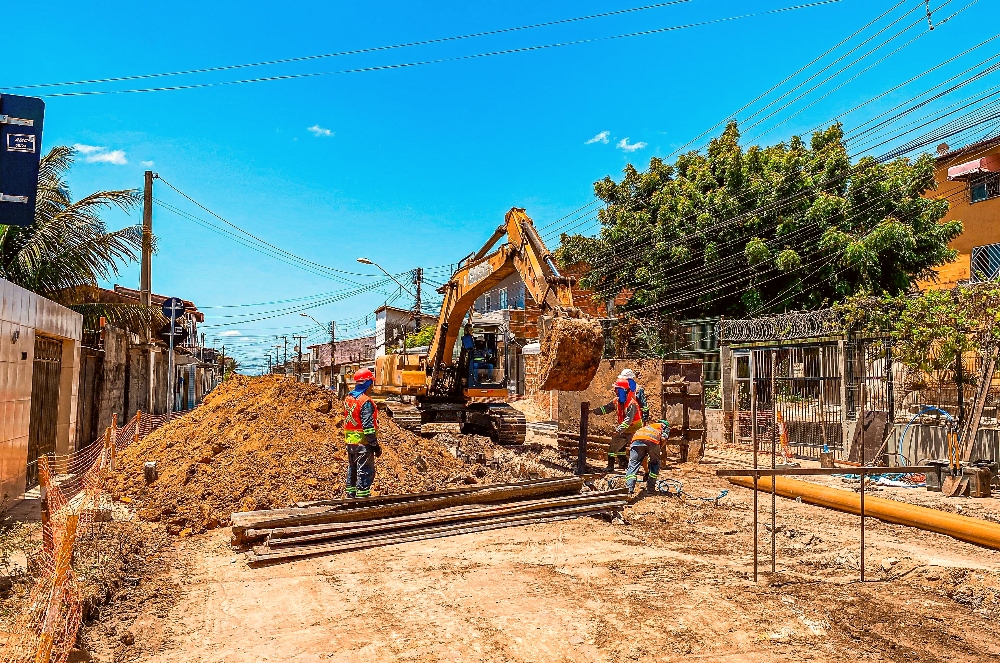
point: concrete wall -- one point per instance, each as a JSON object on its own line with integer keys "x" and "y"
{"x": 23, "y": 314}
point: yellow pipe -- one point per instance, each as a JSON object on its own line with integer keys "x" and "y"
{"x": 973, "y": 530}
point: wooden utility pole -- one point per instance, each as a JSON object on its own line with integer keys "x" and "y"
{"x": 298, "y": 362}
{"x": 418, "y": 277}
{"x": 146, "y": 277}
{"x": 333, "y": 352}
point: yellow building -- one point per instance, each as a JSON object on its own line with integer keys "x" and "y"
{"x": 970, "y": 179}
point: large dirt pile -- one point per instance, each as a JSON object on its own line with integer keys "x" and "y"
{"x": 267, "y": 442}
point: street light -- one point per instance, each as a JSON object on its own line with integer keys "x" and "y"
{"x": 366, "y": 261}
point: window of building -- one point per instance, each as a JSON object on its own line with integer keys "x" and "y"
{"x": 488, "y": 302}
{"x": 502, "y": 299}
{"x": 984, "y": 187}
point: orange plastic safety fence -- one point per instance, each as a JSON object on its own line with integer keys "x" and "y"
{"x": 46, "y": 629}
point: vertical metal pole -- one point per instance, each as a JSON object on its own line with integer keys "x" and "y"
{"x": 774, "y": 447}
{"x": 753, "y": 437}
{"x": 170, "y": 361}
{"x": 581, "y": 455}
{"x": 861, "y": 422}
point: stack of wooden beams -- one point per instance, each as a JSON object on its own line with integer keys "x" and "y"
{"x": 343, "y": 525}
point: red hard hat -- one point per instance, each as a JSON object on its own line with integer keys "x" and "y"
{"x": 364, "y": 374}
{"x": 622, "y": 383}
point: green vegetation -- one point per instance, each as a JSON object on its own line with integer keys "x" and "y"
{"x": 68, "y": 250}
{"x": 740, "y": 231}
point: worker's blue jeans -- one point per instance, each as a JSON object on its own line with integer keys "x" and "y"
{"x": 639, "y": 451}
{"x": 360, "y": 470}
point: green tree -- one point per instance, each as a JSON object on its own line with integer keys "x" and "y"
{"x": 741, "y": 232}
{"x": 68, "y": 250}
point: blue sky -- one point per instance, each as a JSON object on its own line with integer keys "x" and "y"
{"x": 414, "y": 166}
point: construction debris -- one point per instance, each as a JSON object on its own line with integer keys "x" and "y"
{"x": 357, "y": 524}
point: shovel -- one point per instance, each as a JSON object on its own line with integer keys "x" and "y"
{"x": 955, "y": 486}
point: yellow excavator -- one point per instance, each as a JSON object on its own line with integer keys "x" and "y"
{"x": 452, "y": 381}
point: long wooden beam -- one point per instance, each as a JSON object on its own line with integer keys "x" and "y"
{"x": 296, "y": 535}
{"x": 262, "y": 554}
{"x": 502, "y": 494}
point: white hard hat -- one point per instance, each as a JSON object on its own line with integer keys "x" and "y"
{"x": 627, "y": 374}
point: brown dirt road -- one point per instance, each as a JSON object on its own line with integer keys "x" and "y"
{"x": 673, "y": 584}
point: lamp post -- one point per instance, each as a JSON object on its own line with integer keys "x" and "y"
{"x": 366, "y": 261}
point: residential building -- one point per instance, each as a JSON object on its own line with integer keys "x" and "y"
{"x": 39, "y": 371}
{"x": 970, "y": 178}
{"x": 392, "y": 324}
{"x": 350, "y": 354}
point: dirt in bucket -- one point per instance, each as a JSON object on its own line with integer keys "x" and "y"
{"x": 571, "y": 350}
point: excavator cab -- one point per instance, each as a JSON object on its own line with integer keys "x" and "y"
{"x": 482, "y": 358}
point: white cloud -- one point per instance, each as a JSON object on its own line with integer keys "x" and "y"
{"x": 599, "y": 138}
{"x": 231, "y": 332}
{"x": 147, "y": 164}
{"x": 100, "y": 154}
{"x": 320, "y": 131}
{"x": 117, "y": 157}
{"x": 623, "y": 144}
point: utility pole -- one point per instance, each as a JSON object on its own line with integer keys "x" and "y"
{"x": 223, "y": 363}
{"x": 146, "y": 278}
{"x": 285, "y": 338}
{"x": 277, "y": 354}
{"x": 269, "y": 363}
{"x": 298, "y": 364}
{"x": 418, "y": 277}
{"x": 333, "y": 351}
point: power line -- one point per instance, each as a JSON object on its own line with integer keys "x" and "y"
{"x": 359, "y": 51}
{"x": 457, "y": 58}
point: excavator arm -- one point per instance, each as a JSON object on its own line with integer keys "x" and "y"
{"x": 572, "y": 343}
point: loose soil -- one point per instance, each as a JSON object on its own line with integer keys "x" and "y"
{"x": 672, "y": 582}
{"x": 571, "y": 351}
{"x": 268, "y": 442}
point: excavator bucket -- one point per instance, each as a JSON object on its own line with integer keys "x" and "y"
{"x": 571, "y": 349}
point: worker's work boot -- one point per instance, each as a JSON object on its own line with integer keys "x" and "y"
{"x": 651, "y": 486}
{"x": 623, "y": 461}
{"x": 611, "y": 464}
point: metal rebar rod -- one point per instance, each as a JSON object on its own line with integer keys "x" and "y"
{"x": 774, "y": 439}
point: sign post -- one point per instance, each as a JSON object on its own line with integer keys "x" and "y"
{"x": 20, "y": 152}
{"x": 172, "y": 309}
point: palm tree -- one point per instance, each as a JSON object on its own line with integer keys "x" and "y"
{"x": 68, "y": 250}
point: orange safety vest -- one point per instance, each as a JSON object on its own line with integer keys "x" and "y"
{"x": 621, "y": 408}
{"x": 650, "y": 434}
{"x": 354, "y": 430}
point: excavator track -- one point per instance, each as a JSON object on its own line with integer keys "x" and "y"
{"x": 406, "y": 417}
{"x": 509, "y": 425}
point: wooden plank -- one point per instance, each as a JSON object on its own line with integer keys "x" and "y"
{"x": 515, "y": 492}
{"x": 404, "y": 497}
{"x": 286, "y": 535}
{"x": 248, "y": 519}
{"x": 262, "y": 554}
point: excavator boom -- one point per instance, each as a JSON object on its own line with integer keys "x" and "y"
{"x": 572, "y": 342}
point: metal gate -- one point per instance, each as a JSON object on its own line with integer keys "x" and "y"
{"x": 45, "y": 374}
{"x": 789, "y": 395}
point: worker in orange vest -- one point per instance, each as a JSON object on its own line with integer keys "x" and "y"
{"x": 646, "y": 442}
{"x": 626, "y": 407}
{"x": 360, "y": 431}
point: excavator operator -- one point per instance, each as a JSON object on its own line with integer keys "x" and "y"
{"x": 626, "y": 407}
{"x": 360, "y": 427}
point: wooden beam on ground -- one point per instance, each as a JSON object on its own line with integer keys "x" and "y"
{"x": 261, "y": 520}
{"x": 263, "y": 554}
{"x": 296, "y": 535}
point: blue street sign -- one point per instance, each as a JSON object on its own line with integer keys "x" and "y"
{"x": 177, "y": 305}
{"x": 20, "y": 151}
